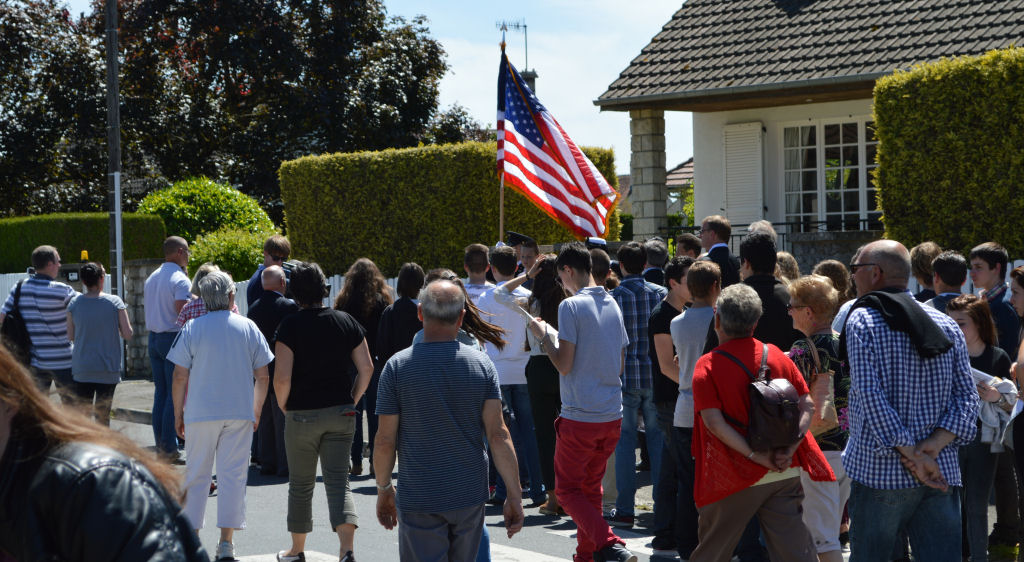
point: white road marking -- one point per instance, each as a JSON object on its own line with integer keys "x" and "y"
{"x": 635, "y": 542}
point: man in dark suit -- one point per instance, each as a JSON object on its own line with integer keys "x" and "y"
{"x": 714, "y": 237}
{"x": 267, "y": 312}
{"x": 657, "y": 255}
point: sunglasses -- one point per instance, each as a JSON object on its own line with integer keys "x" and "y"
{"x": 855, "y": 266}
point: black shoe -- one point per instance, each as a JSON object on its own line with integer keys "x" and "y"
{"x": 282, "y": 557}
{"x": 614, "y": 552}
{"x": 349, "y": 557}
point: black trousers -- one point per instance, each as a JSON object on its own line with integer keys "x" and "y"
{"x": 546, "y": 402}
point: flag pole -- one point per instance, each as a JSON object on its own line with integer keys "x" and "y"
{"x": 501, "y": 187}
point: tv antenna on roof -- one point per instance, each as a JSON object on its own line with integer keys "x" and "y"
{"x": 530, "y": 76}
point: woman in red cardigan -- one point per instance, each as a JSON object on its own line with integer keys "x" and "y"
{"x": 733, "y": 482}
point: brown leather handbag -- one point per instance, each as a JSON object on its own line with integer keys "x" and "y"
{"x": 822, "y": 390}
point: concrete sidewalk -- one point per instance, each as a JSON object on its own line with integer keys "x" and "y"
{"x": 133, "y": 402}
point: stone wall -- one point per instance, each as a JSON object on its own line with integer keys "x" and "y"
{"x": 136, "y": 272}
{"x": 809, "y": 248}
{"x": 647, "y": 172}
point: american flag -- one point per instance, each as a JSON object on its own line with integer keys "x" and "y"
{"x": 541, "y": 162}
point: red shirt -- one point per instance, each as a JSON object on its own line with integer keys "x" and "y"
{"x": 720, "y": 470}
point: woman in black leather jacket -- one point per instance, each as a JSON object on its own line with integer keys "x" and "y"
{"x": 71, "y": 489}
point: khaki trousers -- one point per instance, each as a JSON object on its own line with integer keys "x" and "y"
{"x": 777, "y": 506}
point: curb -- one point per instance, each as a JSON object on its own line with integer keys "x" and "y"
{"x": 132, "y": 416}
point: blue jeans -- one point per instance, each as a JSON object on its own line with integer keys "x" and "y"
{"x": 634, "y": 401}
{"x": 163, "y": 403}
{"x": 517, "y": 398}
{"x": 978, "y": 470}
{"x": 930, "y": 517}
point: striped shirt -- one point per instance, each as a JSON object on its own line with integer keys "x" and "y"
{"x": 438, "y": 390}
{"x": 44, "y": 305}
{"x": 637, "y": 299}
{"x": 897, "y": 399}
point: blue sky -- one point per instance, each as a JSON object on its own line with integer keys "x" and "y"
{"x": 577, "y": 47}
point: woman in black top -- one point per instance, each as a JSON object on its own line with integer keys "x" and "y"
{"x": 978, "y": 460}
{"x": 399, "y": 322}
{"x": 365, "y": 295}
{"x": 318, "y": 351}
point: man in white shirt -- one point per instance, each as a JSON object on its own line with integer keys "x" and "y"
{"x": 510, "y": 362}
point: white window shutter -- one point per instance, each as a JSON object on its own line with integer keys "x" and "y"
{"x": 744, "y": 174}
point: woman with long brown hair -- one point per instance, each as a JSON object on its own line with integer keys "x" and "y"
{"x": 71, "y": 489}
{"x": 365, "y": 295}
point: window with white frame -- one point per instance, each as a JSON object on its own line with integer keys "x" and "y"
{"x": 826, "y": 175}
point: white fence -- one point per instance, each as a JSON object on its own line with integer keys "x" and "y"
{"x": 9, "y": 280}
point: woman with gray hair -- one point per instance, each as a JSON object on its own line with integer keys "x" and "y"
{"x": 217, "y": 357}
{"x": 733, "y": 482}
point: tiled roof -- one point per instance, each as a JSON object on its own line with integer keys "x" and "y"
{"x": 713, "y": 47}
{"x": 680, "y": 176}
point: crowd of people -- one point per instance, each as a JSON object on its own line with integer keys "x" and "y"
{"x": 540, "y": 376}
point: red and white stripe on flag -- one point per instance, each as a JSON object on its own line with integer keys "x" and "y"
{"x": 555, "y": 176}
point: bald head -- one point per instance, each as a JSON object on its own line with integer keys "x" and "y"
{"x": 442, "y": 302}
{"x": 174, "y": 243}
{"x": 892, "y": 260}
{"x": 273, "y": 279}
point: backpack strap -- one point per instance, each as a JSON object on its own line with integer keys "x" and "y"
{"x": 753, "y": 379}
{"x": 17, "y": 295}
{"x": 764, "y": 373}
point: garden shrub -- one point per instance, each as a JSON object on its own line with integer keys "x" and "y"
{"x": 142, "y": 237}
{"x": 197, "y": 206}
{"x": 421, "y": 204}
{"x": 235, "y": 250}
{"x": 951, "y": 151}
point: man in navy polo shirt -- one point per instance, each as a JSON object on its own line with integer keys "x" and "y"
{"x": 436, "y": 402}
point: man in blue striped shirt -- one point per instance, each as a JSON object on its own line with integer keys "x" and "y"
{"x": 44, "y": 305}
{"x": 912, "y": 405}
{"x": 437, "y": 401}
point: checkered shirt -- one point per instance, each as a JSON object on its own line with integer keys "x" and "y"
{"x": 194, "y": 309}
{"x": 898, "y": 399}
{"x": 637, "y": 298}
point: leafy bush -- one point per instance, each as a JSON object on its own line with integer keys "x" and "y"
{"x": 424, "y": 205}
{"x": 197, "y": 206}
{"x": 142, "y": 237}
{"x": 235, "y": 250}
{"x": 950, "y": 162}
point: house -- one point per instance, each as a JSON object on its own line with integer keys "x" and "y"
{"x": 780, "y": 92}
{"x": 679, "y": 184}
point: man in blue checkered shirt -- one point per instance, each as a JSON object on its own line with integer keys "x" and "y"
{"x": 912, "y": 405}
{"x": 637, "y": 298}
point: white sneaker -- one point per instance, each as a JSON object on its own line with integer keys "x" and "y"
{"x": 225, "y": 551}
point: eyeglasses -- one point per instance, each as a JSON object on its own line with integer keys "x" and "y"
{"x": 791, "y": 308}
{"x": 854, "y": 266}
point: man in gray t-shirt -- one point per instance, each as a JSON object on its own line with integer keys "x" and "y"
{"x": 589, "y": 353}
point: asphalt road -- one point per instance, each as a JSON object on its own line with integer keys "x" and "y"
{"x": 543, "y": 538}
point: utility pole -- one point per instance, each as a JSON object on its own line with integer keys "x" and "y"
{"x": 114, "y": 154}
{"x": 529, "y": 76}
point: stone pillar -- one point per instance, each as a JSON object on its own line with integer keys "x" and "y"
{"x": 647, "y": 172}
{"x": 135, "y": 273}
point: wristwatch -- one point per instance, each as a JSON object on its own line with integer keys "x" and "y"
{"x": 385, "y": 488}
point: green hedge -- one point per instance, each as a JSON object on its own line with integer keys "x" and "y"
{"x": 235, "y": 250}
{"x": 421, "y": 204}
{"x": 197, "y": 206}
{"x": 951, "y": 153}
{"x": 70, "y": 233}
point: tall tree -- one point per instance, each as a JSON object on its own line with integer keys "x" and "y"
{"x": 230, "y": 88}
{"x": 52, "y": 115}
